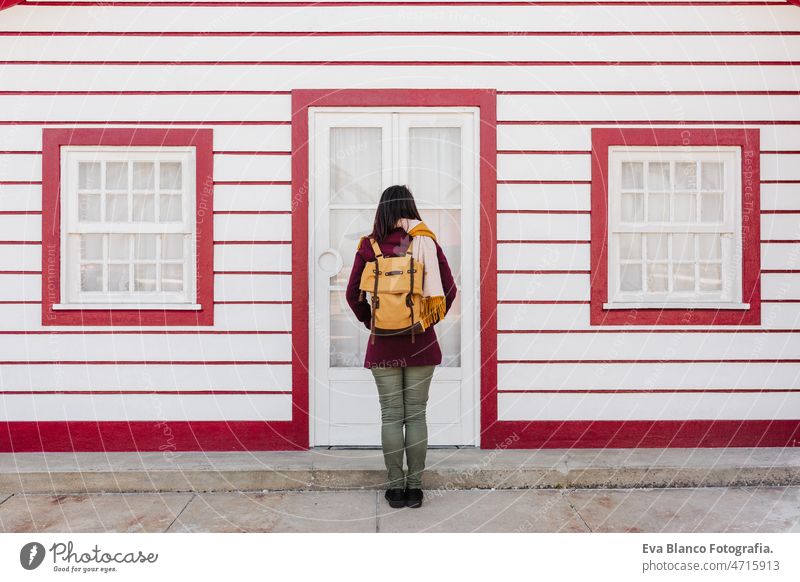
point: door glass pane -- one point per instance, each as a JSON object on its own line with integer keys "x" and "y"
{"x": 347, "y": 226}
{"x": 446, "y": 225}
{"x": 434, "y": 172}
{"x": 348, "y": 335}
{"x": 356, "y": 165}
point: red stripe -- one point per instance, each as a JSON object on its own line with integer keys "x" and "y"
{"x": 127, "y": 392}
{"x": 647, "y": 122}
{"x": 253, "y": 303}
{"x": 252, "y": 242}
{"x": 648, "y": 93}
{"x": 270, "y": 33}
{"x": 144, "y": 362}
{"x": 151, "y": 435}
{"x": 537, "y": 302}
{"x": 598, "y": 434}
{"x": 573, "y": 182}
{"x": 648, "y": 331}
{"x": 664, "y": 361}
{"x": 311, "y": 63}
{"x": 545, "y": 152}
{"x": 544, "y": 211}
{"x": 250, "y": 153}
{"x": 653, "y": 391}
{"x": 352, "y": 3}
{"x": 252, "y": 211}
{"x": 168, "y": 123}
{"x": 542, "y": 242}
{"x": 144, "y": 332}
{"x": 252, "y": 272}
{"x": 542, "y": 272}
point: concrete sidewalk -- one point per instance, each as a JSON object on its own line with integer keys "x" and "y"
{"x": 706, "y": 509}
{"x": 354, "y": 469}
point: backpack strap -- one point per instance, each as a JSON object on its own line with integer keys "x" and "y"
{"x": 375, "y": 248}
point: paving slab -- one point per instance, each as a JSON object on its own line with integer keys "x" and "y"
{"x": 279, "y": 511}
{"x": 484, "y": 511}
{"x": 132, "y": 512}
{"x": 678, "y": 510}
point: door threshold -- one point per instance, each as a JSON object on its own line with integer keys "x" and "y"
{"x": 378, "y": 447}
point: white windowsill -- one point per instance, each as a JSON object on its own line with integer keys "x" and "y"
{"x": 131, "y": 306}
{"x": 674, "y": 305}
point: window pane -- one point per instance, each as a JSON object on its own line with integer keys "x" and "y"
{"x": 89, "y": 175}
{"x": 685, "y": 175}
{"x": 630, "y": 277}
{"x": 91, "y": 247}
{"x": 144, "y": 208}
{"x": 116, "y": 175}
{"x": 347, "y": 227}
{"x": 118, "y": 247}
{"x": 171, "y": 277}
{"x": 92, "y": 277}
{"x": 657, "y": 277}
{"x": 435, "y": 164}
{"x": 712, "y": 175}
{"x": 683, "y": 277}
{"x": 170, "y": 177}
{"x": 144, "y": 176}
{"x": 145, "y": 246}
{"x": 630, "y": 246}
{"x": 169, "y": 208}
{"x": 89, "y": 207}
{"x": 632, "y": 207}
{"x": 145, "y": 277}
{"x": 632, "y": 175}
{"x": 172, "y": 246}
{"x": 447, "y": 226}
{"x": 348, "y": 335}
{"x": 119, "y": 277}
{"x": 356, "y": 165}
{"x": 682, "y": 247}
{"x": 711, "y": 207}
{"x": 658, "y": 176}
{"x": 657, "y": 246}
{"x": 710, "y": 276}
{"x": 710, "y": 246}
{"x": 658, "y": 207}
{"x": 117, "y": 208}
{"x": 448, "y": 332}
{"x": 685, "y": 207}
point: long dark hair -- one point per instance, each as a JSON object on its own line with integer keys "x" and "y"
{"x": 396, "y": 202}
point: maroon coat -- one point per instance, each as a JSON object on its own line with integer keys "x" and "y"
{"x": 397, "y": 351}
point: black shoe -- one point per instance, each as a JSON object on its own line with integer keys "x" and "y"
{"x": 395, "y": 497}
{"x": 414, "y": 497}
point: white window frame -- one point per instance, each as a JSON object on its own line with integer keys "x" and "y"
{"x": 71, "y": 228}
{"x": 730, "y": 296}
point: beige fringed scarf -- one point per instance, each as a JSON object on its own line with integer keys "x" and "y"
{"x": 423, "y": 249}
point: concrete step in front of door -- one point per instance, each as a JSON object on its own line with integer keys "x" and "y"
{"x": 348, "y": 469}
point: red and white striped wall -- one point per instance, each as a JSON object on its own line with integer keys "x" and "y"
{"x": 559, "y": 68}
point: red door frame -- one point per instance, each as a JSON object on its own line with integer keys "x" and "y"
{"x": 486, "y": 101}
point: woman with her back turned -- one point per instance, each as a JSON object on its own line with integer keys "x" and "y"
{"x": 402, "y": 362}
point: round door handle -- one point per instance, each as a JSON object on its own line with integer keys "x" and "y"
{"x": 330, "y": 262}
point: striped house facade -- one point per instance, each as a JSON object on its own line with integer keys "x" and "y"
{"x": 563, "y": 96}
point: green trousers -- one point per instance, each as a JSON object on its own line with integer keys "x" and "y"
{"x": 403, "y": 395}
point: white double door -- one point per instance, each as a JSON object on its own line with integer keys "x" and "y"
{"x": 355, "y": 153}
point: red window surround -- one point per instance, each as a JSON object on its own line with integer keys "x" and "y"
{"x": 748, "y": 141}
{"x": 52, "y": 140}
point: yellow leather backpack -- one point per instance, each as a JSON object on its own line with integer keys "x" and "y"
{"x": 395, "y": 288}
